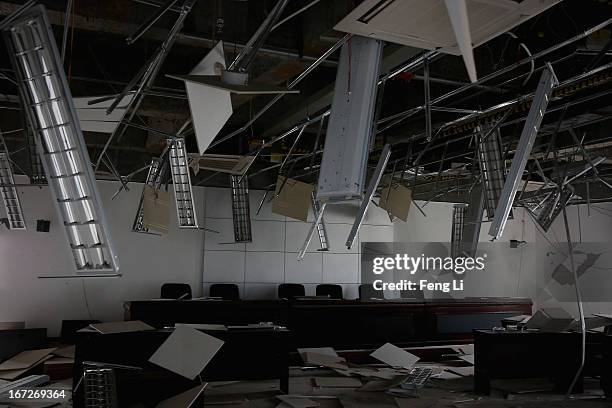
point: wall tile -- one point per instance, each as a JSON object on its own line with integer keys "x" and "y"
{"x": 223, "y": 266}
{"x": 340, "y": 268}
{"x": 337, "y": 235}
{"x": 375, "y": 233}
{"x": 224, "y": 240}
{"x": 296, "y": 233}
{"x": 267, "y": 236}
{"x": 218, "y": 202}
{"x": 308, "y": 270}
{"x": 265, "y": 267}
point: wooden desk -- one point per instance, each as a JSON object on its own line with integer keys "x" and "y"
{"x": 344, "y": 324}
{"x": 248, "y": 354}
{"x": 514, "y": 354}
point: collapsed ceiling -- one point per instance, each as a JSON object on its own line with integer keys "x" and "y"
{"x": 572, "y": 35}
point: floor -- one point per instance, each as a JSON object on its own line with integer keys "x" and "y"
{"x": 446, "y": 391}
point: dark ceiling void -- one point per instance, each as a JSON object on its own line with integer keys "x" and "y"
{"x": 99, "y": 61}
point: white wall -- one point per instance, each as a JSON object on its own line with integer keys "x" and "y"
{"x": 200, "y": 258}
{"x": 271, "y": 258}
{"x": 146, "y": 261}
{"x": 508, "y": 271}
{"x": 595, "y": 229}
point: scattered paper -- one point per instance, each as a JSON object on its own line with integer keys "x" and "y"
{"x": 337, "y": 382}
{"x": 324, "y": 360}
{"x": 67, "y": 351}
{"x": 183, "y": 400}
{"x": 13, "y": 374}
{"x": 469, "y": 358}
{"x": 395, "y": 356}
{"x": 202, "y": 326}
{"x": 186, "y": 351}
{"x": 297, "y": 402}
{"x": 121, "y": 327}
{"x": 462, "y": 371}
{"x": 25, "y": 359}
{"x": 327, "y": 351}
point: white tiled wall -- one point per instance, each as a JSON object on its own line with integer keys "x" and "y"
{"x": 258, "y": 267}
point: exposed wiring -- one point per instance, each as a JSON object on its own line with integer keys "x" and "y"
{"x": 86, "y": 300}
{"x": 580, "y": 308}
{"x": 524, "y": 47}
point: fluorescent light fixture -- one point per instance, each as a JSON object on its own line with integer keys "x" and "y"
{"x": 153, "y": 180}
{"x": 241, "y": 212}
{"x": 472, "y": 222}
{"x": 321, "y": 230}
{"x": 372, "y": 186}
{"x": 37, "y": 172}
{"x": 48, "y": 105}
{"x": 181, "y": 180}
{"x": 492, "y": 167}
{"x": 459, "y": 211}
{"x": 349, "y": 131}
{"x": 532, "y": 125}
{"x": 14, "y": 212}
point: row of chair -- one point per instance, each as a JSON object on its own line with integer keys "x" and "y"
{"x": 229, "y": 291}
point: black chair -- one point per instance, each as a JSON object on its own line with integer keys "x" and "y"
{"x": 291, "y": 290}
{"x": 175, "y": 291}
{"x": 332, "y": 291}
{"x": 367, "y": 292}
{"x": 226, "y": 291}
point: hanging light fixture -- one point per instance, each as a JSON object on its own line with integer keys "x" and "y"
{"x": 60, "y": 144}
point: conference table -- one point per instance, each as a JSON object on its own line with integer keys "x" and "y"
{"x": 343, "y": 324}
{"x": 247, "y": 354}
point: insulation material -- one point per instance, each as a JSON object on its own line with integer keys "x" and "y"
{"x": 294, "y": 199}
{"x": 93, "y": 118}
{"x": 396, "y": 200}
{"x": 156, "y": 209}
{"x": 210, "y": 107}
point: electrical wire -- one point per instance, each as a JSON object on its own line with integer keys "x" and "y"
{"x": 579, "y": 304}
{"x": 86, "y": 300}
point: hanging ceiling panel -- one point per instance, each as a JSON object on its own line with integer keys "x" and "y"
{"x": 401, "y": 21}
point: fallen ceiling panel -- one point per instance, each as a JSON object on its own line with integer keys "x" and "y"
{"x": 210, "y": 107}
{"x": 93, "y": 117}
